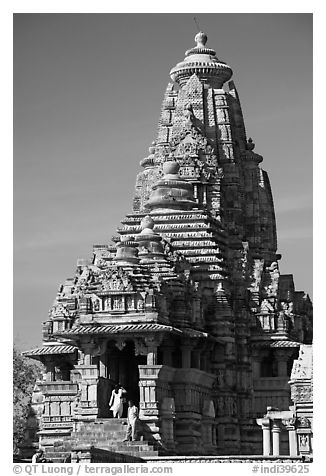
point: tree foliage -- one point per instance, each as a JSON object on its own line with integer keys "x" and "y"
{"x": 25, "y": 373}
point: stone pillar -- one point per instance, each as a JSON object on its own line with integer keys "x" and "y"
{"x": 122, "y": 372}
{"x": 196, "y": 358}
{"x": 167, "y": 415}
{"x": 256, "y": 363}
{"x": 167, "y": 355}
{"x": 50, "y": 370}
{"x": 88, "y": 408}
{"x": 152, "y": 355}
{"x": 214, "y": 429}
{"x": 276, "y": 430}
{"x": 281, "y": 357}
{"x": 203, "y": 361}
{"x": 102, "y": 365}
{"x": 112, "y": 366}
{"x": 293, "y": 443}
{"x": 265, "y": 424}
{"x": 256, "y": 369}
{"x": 207, "y": 425}
{"x": 88, "y": 357}
{"x": 186, "y": 356}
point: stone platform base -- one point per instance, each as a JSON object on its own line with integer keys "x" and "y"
{"x": 228, "y": 459}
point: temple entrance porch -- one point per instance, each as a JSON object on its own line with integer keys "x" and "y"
{"x": 118, "y": 366}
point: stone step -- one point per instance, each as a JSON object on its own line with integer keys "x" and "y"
{"x": 105, "y": 425}
{"x": 117, "y": 447}
{"x": 135, "y": 453}
{"x": 106, "y": 420}
{"x": 107, "y": 434}
{"x": 103, "y": 428}
{"x": 60, "y": 456}
{"x": 113, "y": 438}
{"x": 109, "y": 421}
{"x": 100, "y": 430}
{"x": 56, "y": 454}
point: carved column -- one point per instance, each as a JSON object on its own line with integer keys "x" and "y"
{"x": 293, "y": 443}
{"x": 112, "y": 365}
{"x": 196, "y": 358}
{"x": 256, "y": 363}
{"x": 103, "y": 361}
{"x": 167, "y": 355}
{"x": 203, "y": 361}
{"x": 186, "y": 356}
{"x": 265, "y": 425}
{"x": 276, "y": 430}
{"x": 281, "y": 357}
{"x": 88, "y": 408}
{"x": 167, "y": 415}
{"x": 153, "y": 387}
{"x": 207, "y": 424}
{"x": 87, "y": 357}
{"x": 152, "y": 355}
{"x": 50, "y": 370}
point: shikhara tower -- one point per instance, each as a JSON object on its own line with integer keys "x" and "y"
{"x": 187, "y": 309}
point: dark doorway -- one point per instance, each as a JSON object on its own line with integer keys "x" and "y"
{"x": 127, "y": 370}
{"x": 122, "y": 368}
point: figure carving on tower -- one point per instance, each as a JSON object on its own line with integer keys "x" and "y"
{"x": 189, "y": 116}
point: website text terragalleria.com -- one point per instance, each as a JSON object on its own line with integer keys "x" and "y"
{"x": 32, "y": 469}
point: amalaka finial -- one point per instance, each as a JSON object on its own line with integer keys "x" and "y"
{"x": 201, "y": 39}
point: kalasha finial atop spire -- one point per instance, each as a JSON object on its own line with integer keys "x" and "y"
{"x": 203, "y": 62}
{"x": 201, "y": 39}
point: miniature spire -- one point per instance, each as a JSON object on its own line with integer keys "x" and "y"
{"x": 149, "y": 242}
{"x": 127, "y": 251}
{"x": 171, "y": 192}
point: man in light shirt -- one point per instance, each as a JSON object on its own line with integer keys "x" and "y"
{"x": 132, "y": 421}
{"x": 38, "y": 457}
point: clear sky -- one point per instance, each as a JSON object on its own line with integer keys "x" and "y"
{"x": 87, "y": 96}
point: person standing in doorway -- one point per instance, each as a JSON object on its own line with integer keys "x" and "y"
{"x": 132, "y": 421}
{"x": 38, "y": 457}
{"x": 116, "y": 401}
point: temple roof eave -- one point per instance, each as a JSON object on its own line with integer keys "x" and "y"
{"x": 108, "y": 329}
{"x": 50, "y": 349}
{"x": 276, "y": 343}
{"x": 137, "y": 330}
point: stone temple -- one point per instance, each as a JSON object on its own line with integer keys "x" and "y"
{"x": 186, "y": 308}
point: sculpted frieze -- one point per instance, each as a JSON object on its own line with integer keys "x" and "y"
{"x": 86, "y": 277}
{"x": 140, "y": 346}
{"x": 300, "y": 371}
{"x": 120, "y": 343}
{"x": 60, "y": 310}
{"x": 304, "y": 442}
{"x": 96, "y": 304}
{"x": 115, "y": 280}
{"x": 301, "y": 394}
{"x": 266, "y": 307}
{"x": 303, "y": 422}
